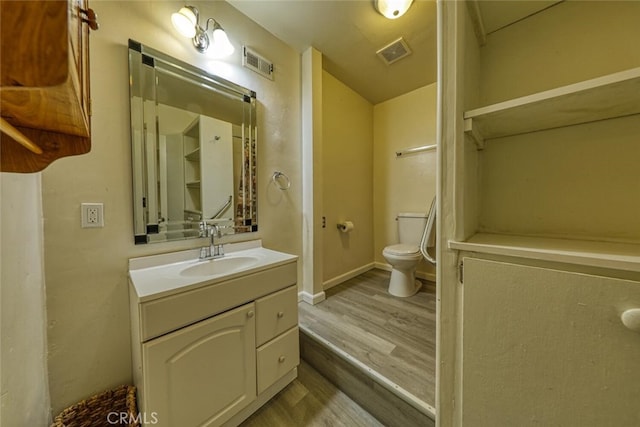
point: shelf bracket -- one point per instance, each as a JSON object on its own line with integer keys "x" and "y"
{"x": 474, "y": 133}
{"x": 8, "y": 129}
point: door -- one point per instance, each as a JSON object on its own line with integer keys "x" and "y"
{"x": 216, "y": 165}
{"x": 203, "y": 374}
{"x": 547, "y": 347}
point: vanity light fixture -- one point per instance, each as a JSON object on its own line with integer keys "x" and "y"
{"x": 186, "y": 21}
{"x": 392, "y": 9}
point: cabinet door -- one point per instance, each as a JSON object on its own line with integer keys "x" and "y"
{"x": 547, "y": 347}
{"x": 203, "y": 374}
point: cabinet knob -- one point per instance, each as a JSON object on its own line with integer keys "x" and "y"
{"x": 281, "y": 359}
{"x": 90, "y": 17}
{"x": 631, "y": 319}
{"x": 280, "y": 314}
{"x": 250, "y": 313}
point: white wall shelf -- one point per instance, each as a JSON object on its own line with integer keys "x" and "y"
{"x": 606, "y": 97}
{"x": 193, "y": 156}
{"x": 619, "y": 256}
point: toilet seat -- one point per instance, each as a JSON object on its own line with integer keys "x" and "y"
{"x": 402, "y": 249}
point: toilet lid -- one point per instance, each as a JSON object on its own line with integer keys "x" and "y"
{"x": 402, "y": 249}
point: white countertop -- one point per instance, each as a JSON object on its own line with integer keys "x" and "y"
{"x": 158, "y": 276}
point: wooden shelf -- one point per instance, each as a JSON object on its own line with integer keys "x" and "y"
{"x": 610, "y": 96}
{"x": 619, "y": 256}
{"x": 193, "y": 184}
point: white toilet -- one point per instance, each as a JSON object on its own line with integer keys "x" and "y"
{"x": 405, "y": 256}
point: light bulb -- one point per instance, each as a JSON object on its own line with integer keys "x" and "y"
{"x": 393, "y": 9}
{"x": 221, "y": 46}
{"x": 185, "y": 22}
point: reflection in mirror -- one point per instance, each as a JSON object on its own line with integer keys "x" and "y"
{"x": 193, "y": 139}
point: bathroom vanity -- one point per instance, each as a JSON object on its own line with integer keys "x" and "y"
{"x": 213, "y": 340}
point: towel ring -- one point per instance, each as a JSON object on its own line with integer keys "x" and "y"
{"x": 276, "y": 176}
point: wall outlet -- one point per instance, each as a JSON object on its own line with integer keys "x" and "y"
{"x": 92, "y": 215}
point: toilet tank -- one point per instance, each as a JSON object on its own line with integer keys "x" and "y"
{"x": 411, "y": 226}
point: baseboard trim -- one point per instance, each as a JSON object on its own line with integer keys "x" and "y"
{"x": 419, "y": 274}
{"x": 348, "y": 275}
{"x": 312, "y": 299}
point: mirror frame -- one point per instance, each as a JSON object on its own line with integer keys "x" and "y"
{"x": 144, "y": 62}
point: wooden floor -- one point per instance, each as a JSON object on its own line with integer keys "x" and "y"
{"x": 396, "y": 337}
{"x": 309, "y": 401}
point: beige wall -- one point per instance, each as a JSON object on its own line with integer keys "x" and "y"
{"x": 86, "y": 269}
{"x": 568, "y": 43}
{"x": 23, "y": 371}
{"x": 574, "y": 181}
{"x": 405, "y": 184}
{"x": 347, "y": 174}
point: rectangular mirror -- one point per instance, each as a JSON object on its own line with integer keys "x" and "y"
{"x": 193, "y": 146}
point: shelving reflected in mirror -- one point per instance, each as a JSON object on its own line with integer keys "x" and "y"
{"x": 194, "y": 149}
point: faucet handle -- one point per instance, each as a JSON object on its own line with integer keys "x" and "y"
{"x": 205, "y": 230}
{"x": 203, "y": 253}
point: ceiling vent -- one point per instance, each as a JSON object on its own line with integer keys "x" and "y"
{"x": 394, "y": 51}
{"x": 257, "y": 63}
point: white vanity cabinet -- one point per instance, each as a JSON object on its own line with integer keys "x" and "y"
{"x": 210, "y": 353}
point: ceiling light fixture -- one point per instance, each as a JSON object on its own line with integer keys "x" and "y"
{"x": 392, "y": 9}
{"x": 186, "y": 21}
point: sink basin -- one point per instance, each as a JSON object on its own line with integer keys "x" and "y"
{"x": 219, "y": 266}
{"x": 158, "y": 276}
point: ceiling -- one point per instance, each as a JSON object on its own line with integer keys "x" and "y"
{"x": 348, "y": 33}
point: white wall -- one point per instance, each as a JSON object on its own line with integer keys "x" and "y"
{"x": 86, "y": 269}
{"x": 408, "y": 183}
{"x": 23, "y": 372}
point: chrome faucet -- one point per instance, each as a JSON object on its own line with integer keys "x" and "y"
{"x": 212, "y": 251}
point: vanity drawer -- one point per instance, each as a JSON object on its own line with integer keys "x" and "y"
{"x": 170, "y": 313}
{"x": 276, "y": 313}
{"x": 277, "y": 357}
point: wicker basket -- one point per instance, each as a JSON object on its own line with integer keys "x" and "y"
{"x": 103, "y": 409}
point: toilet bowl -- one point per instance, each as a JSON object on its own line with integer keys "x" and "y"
{"x": 405, "y": 256}
{"x": 403, "y": 259}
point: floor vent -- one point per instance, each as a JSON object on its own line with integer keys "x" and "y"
{"x": 257, "y": 63}
{"x": 394, "y": 51}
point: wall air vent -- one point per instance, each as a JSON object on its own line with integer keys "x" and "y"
{"x": 394, "y": 51}
{"x": 257, "y": 63}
